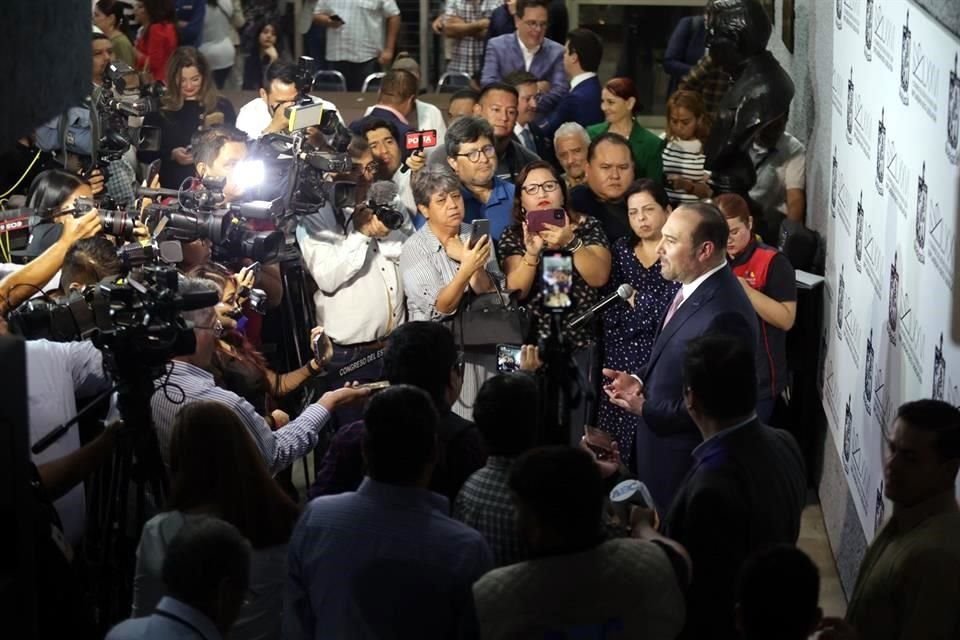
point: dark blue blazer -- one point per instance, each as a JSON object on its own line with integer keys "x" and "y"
{"x": 581, "y": 104}
{"x": 666, "y": 434}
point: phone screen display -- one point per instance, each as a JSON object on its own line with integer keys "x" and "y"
{"x": 508, "y": 358}
{"x": 557, "y": 280}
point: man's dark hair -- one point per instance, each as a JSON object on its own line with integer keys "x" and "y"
{"x": 720, "y": 371}
{"x": 200, "y": 557}
{"x": 400, "y": 434}
{"x": 357, "y": 147}
{"x": 498, "y": 86}
{"x": 561, "y": 487}
{"x": 372, "y": 124}
{"x": 712, "y": 226}
{"x": 519, "y": 78}
{"x": 465, "y": 94}
{"x": 466, "y": 129}
{"x": 505, "y": 412}
{"x": 207, "y": 142}
{"x": 160, "y": 10}
{"x": 282, "y": 70}
{"x": 778, "y": 594}
{"x": 588, "y": 47}
{"x": 89, "y": 261}
{"x": 937, "y": 417}
{"x": 609, "y": 136}
{"x": 523, "y": 5}
{"x": 398, "y": 86}
{"x": 421, "y": 354}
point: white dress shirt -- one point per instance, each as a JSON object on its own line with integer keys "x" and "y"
{"x": 580, "y": 77}
{"x": 360, "y": 292}
{"x": 429, "y": 117}
{"x": 255, "y": 116}
{"x": 527, "y": 53}
{"x": 688, "y": 289}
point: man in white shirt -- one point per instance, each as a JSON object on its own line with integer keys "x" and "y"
{"x": 424, "y": 116}
{"x": 355, "y": 262}
{"x": 779, "y": 160}
{"x": 356, "y": 46}
{"x": 267, "y": 114}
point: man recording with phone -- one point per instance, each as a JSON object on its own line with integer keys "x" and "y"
{"x": 355, "y": 262}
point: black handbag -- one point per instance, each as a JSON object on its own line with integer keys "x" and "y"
{"x": 489, "y": 319}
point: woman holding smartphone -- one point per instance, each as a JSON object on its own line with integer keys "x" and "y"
{"x": 539, "y": 188}
{"x": 629, "y": 329}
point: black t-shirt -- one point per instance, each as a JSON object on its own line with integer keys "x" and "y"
{"x": 612, "y": 215}
{"x": 772, "y": 355}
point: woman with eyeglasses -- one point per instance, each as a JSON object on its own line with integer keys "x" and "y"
{"x": 629, "y": 329}
{"x": 540, "y": 188}
{"x": 438, "y": 267}
{"x": 218, "y": 472}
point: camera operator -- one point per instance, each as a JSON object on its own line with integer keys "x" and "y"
{"x": 267, "y": 114}
{"x": 356, "y": 265}
{"x": 53, "y": 231}
{"x": 217, "y": 152}
{"x": 76, "y": 134}
{"x": 87, "y": 262}
{"x": 189, "y": 379}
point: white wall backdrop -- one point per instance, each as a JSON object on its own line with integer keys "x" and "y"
{"x": 891, "y": 231}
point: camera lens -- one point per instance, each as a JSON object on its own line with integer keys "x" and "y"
{"x": 117, "y": 223}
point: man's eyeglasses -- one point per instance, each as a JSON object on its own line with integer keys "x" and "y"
{"x": 548, "y": 187}
{"x": 533, "y": 24}
{"x": 474, "y": 156}
{"x": 216, "y": 327}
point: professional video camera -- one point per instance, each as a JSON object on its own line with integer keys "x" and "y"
{"x": 123, "y": 316}
{"x": 200, "y": 214}
{"x": 122, "y": 103}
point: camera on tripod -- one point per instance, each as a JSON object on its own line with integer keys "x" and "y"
{"x": 123, "y": 316}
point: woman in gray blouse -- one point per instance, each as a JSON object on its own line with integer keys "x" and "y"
{"x": 437, "y": 268}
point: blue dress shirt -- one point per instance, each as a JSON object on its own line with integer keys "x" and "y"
{"x": 171, "y": 620}
{"x": 498, "y": 209}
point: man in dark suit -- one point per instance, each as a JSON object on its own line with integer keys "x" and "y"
{"x": 528, "y": 50}
{"x": 398, "y": 92}
{"x": 581, "y": 59}
{"x": 526, "y": 132}
{"x": 711, "y": 300}
{"x": 747, "y": 487}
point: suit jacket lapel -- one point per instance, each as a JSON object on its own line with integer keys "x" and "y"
{"x": 686, "y": 311}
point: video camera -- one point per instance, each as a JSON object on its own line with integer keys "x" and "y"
{"x": 122, "y": 104}
{"x": 198, "y": 216}
{"x": 124, "y": 317}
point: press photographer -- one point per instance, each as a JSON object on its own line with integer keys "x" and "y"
{"x": 354, "y": 257}
{"x": 191, "y": 374}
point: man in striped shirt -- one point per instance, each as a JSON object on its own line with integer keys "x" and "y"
{"x": 189, "y": 380}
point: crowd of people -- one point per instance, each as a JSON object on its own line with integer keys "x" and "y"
{"x": 445, "y": 502}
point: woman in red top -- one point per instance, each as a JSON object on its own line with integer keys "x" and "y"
{"x": 157, "y": 37}
{"x": 769, "y": 281}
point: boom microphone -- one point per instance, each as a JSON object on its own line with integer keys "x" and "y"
{"x": 623, "y": 292}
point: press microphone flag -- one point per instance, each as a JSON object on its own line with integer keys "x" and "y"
{"x": 623, "y": 292}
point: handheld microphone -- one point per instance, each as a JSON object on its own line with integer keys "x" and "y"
{"x": 623, "y": 292}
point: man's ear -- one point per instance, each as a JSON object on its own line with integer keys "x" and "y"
{"x": 201, "y": 169}
{"x": 476, "y": 109}
{"x": 453, "y": 163}
{"x": 263, "y": 96}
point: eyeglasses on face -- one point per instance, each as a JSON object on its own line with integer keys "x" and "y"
{"x": 216, "y": 327}
{"x": 474, "y": 156}
{"x": 534, "y": 24}
{"x": 548, "y": 187}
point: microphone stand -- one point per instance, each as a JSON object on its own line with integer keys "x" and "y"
{"x": 566, "y": 388}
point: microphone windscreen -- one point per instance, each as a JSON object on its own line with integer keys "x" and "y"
{"x": 383, "y": 192}
{"x": 625, "y": 291}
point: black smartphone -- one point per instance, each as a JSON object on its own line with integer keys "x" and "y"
{"x": 478, "y": 229}
{"x": 337, "y": 18}
{"x": 508, "y": 358}
{"x": 557, "y": 277}
{"x": 153, "y": 171}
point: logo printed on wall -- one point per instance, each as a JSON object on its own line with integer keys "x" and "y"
{"x": 882, "y": 402}
{"x": 863, "y": 124}
{"x": 884, "y": 34}
{"x": 893, "y": 313}
{"x": 851, "y": 15}
{"x": 925, "y": 86}
{"x": 850, "y": 88}
{"x": 840, "y": 296}
{"x": 868, "y": 32}
{"x": 939, "y": 370}
{"x": 881, "y": 148}
{"x": 868, "y": 376}
{"x": 898, "y": 175}
{"x": 873, "y": 262}
{"x": 858, "y": 245}
{"x": 913, "y": 336}
{"x": 879, "y": 510}
{"x": 834, "y": 170}
{"x": 842, "y": 207}
{"x": 837, "y": 92}
{"x": 905, "y": 62}
{"x": 953, "y": 114}
{"x": 942, "y": 237}
{"x": 852, "y": 330}
{"x": 920, "y": 228}
{"x": 824, "y": 352}
{"x": 839, "y": 12}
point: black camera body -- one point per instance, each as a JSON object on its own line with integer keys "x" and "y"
{"x": 121, "y": 98}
